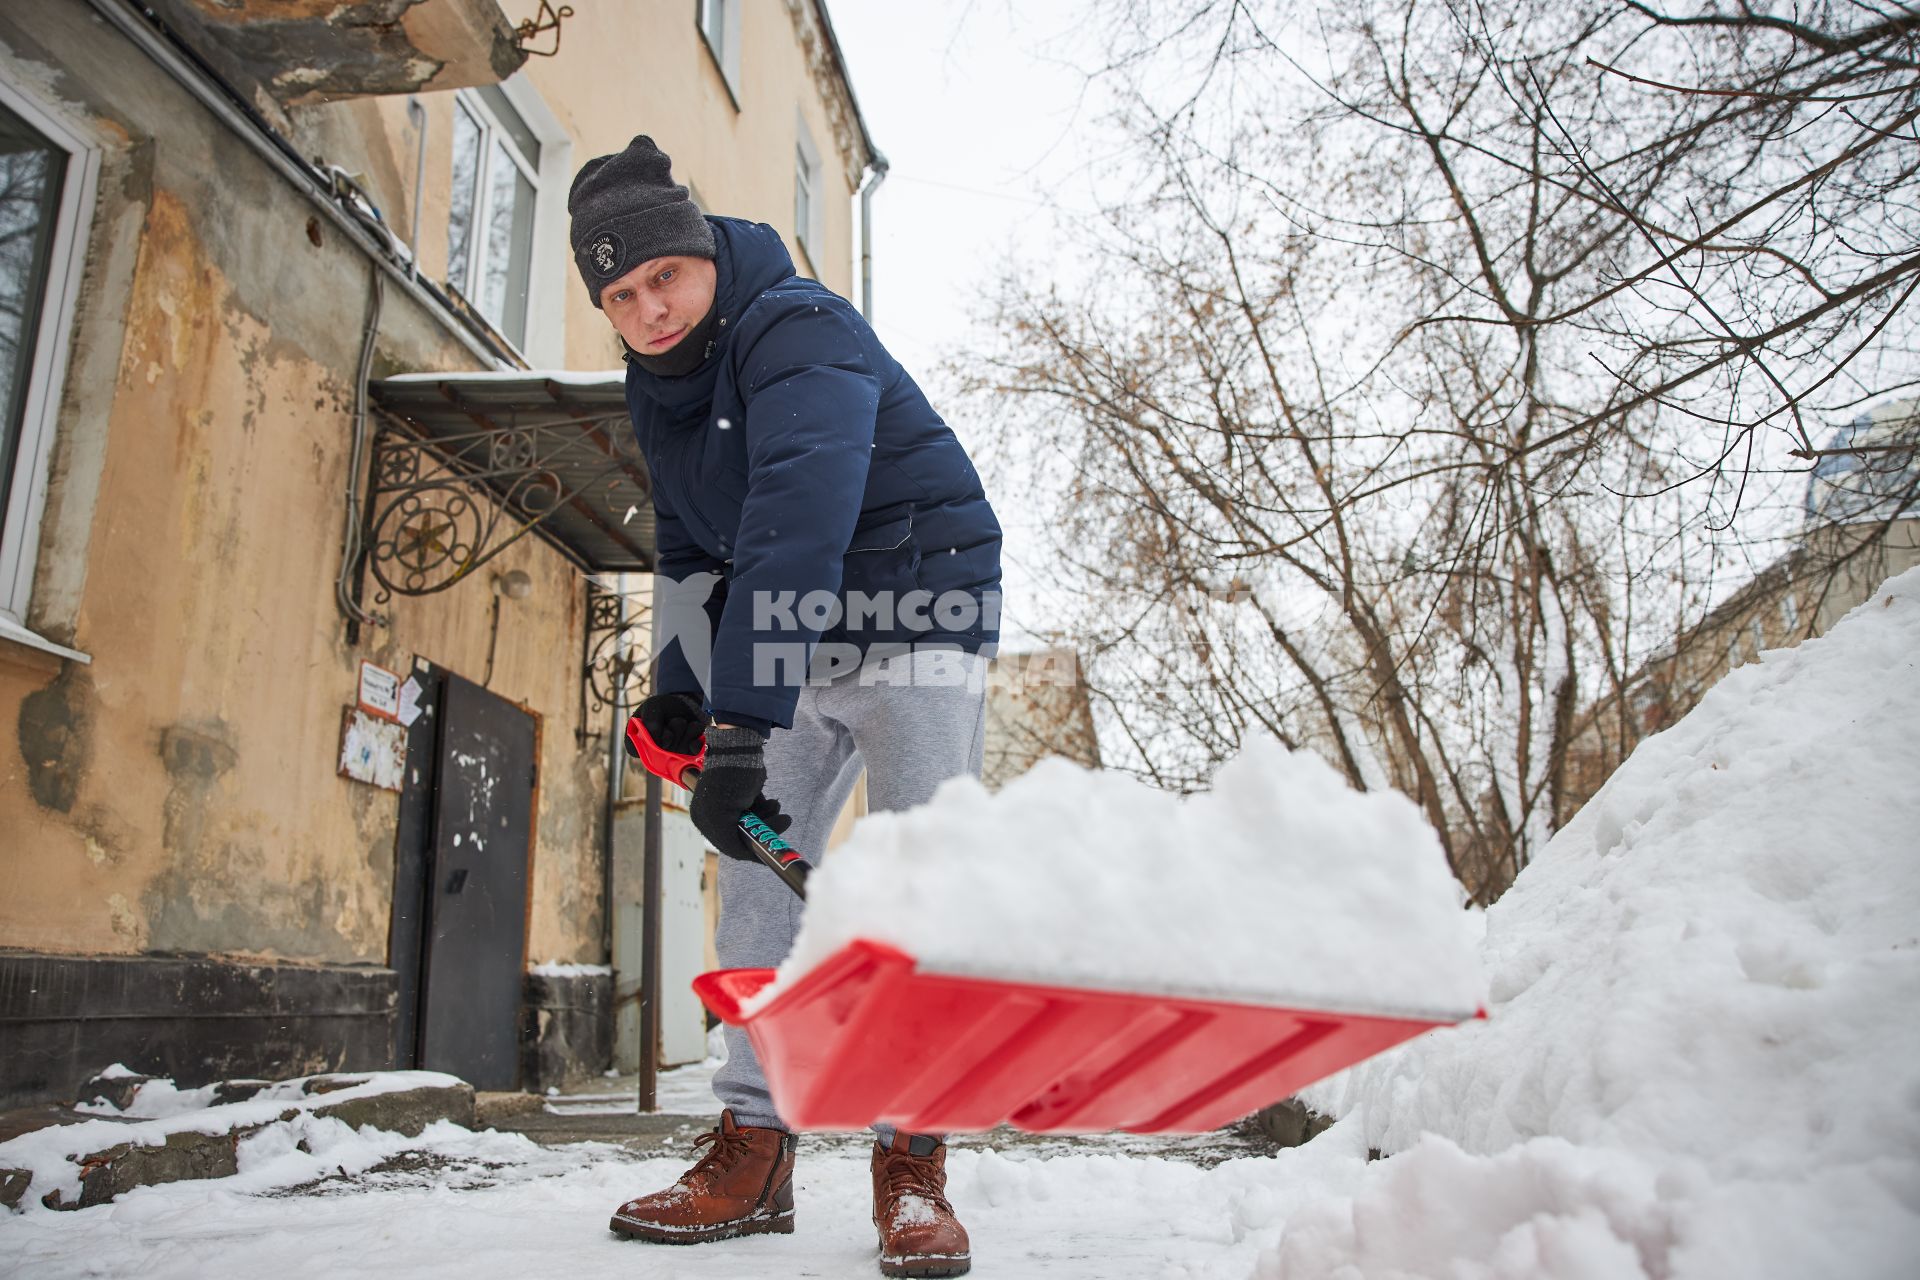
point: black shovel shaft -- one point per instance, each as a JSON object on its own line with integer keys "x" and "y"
{"x": 776, "y": 854}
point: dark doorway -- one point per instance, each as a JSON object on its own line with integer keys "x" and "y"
{"x": 461, "y": 875}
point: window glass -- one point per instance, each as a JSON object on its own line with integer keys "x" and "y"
{"x": 713, "y": 25}
{"x": 466, "y": 190}
{"x": 31, "y": 170}
{"x": 511, "y": 123}
{"x": 509, "y": 249}
{"x": 802, "y": 198}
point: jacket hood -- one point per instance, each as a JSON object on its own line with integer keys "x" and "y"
{"x": 749, "y": 258}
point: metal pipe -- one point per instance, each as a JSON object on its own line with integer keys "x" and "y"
{"x": 616, "y": 781}
{"x": 877, "y": 174}
{"x": 278, "y": 154}
{"x": 346, "y": 588}
{"x": 650, "y": 951}
{"x": 417, "y": 112}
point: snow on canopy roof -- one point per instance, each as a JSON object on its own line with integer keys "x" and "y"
{"x": 532, "y": 377}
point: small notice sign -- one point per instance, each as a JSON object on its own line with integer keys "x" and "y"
{"x": 372, "y": 751}
{"x": 410, "y": 702}
{"x": 379, "y": 691}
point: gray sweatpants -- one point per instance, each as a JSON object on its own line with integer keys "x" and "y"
{"x": 911, "y": 721}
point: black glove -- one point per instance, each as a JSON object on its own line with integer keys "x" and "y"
{"x": 674, "y": 721}
{"x": 730, "y": 785}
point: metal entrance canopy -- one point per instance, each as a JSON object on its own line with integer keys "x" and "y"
{"x": 466, "y": 464}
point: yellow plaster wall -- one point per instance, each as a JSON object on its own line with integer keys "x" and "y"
{"x": 183, "y": 793}
{"x": 204, "y": 811}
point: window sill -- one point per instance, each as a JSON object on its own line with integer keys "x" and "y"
{"x": 13, "y": 631}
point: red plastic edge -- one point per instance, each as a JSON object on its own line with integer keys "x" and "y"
{"x": 659, "y": 761}
{"x": 724, "y": 990}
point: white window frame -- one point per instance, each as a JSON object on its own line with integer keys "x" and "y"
{"x": 544, "y": 343}
{"x": 47, "y": 373}
{"x": 718, "y": 22}
{"x": 807, "y": 174}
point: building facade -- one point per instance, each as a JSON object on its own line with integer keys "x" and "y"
{"x": 314, "y": 560}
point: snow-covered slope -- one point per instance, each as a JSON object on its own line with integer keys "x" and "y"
{"x": 1704, "y": 1051}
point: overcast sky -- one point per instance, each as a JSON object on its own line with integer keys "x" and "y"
{"x": 980, "y": 112}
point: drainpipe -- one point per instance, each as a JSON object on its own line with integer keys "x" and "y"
{"x": 417, "y": 112}
{"x": 876, "y": 174}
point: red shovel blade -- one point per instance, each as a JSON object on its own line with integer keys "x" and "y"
{"x": 866, "y": 1036}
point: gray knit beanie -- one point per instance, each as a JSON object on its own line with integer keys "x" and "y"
{"x": 626, "y": 210}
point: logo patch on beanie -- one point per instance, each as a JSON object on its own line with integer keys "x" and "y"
{"x": 606, "y": 252}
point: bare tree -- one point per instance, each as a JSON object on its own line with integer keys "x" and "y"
{"x": 1439, "y": 361}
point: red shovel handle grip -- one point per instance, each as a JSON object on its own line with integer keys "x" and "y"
{"x": 779, "y": 857}
{"x": 659, "y": 761}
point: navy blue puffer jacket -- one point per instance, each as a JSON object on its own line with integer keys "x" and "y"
{"x": 800, "y": 465}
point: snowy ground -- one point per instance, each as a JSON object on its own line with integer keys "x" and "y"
{"x": 1702, "y": 1061}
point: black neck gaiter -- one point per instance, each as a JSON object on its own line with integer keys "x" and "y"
{"x": 686, "y": 355}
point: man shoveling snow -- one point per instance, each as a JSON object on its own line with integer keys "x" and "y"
{"x": 796, "y": 468}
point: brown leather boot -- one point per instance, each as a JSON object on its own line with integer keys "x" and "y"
{"x": 742, "y": 1186}
{"x": 919, "y": 1236}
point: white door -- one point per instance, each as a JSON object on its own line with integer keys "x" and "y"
{"x": 683, "y": 941}
{"x": 683, "y": 936}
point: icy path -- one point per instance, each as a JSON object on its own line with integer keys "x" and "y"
{"x": 497, "y": 1205}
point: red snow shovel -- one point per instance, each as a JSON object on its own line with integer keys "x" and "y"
{"x": 867, "y": 1035}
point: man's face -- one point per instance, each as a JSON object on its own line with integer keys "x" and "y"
{"x": 655, "y": 304}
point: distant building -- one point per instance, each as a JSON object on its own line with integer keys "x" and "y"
{"x": 1862, "y": 527}
{"x": 1037, "y": 706}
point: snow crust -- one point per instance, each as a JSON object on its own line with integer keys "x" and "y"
{"x": 160, "y": 1108}
{"x": 565, "y": 377}
{"x": 564, "y": 969}
{"x": 1703, "y": 1055}
{"x": 1282, "y": 885}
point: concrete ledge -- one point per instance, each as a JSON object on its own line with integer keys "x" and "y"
{"x": 1291, "y": 1123}
{"x": 490, "y": 1110}
{"x": 204, "y": 1142}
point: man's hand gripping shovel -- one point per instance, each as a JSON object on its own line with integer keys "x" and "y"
{"x": 782, "y": 858}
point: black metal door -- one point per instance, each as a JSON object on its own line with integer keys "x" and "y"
{"x": 477, "y": 888}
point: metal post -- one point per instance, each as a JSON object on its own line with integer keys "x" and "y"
{"x": 650, "y": 951}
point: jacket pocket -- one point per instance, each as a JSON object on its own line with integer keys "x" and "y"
{"x": 882, "y": 564}
{"x": 888, "y": 536}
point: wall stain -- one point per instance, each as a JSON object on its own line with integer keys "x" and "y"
{"x": 55, "y": 731}
{"x": 195, "y": 757}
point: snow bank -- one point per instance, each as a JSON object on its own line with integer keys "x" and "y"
{"x": 1703, "y": 1056}
{"x": 160, "y": 1109}
{"x": 1282, "y": 885}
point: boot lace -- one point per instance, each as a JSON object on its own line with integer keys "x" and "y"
{"x": 911, "y": 1175}
{"x": 725, "y": 1149}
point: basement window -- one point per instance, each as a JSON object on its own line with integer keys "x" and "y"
{"x": 496, "y": 188}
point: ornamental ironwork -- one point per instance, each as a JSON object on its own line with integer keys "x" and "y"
{"x": 618, "y": 635}
{"x": 444, "y": 504}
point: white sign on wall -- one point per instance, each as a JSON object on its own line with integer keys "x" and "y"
{"x": 372, "y": 751}
{"x": 379, "y": 691}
